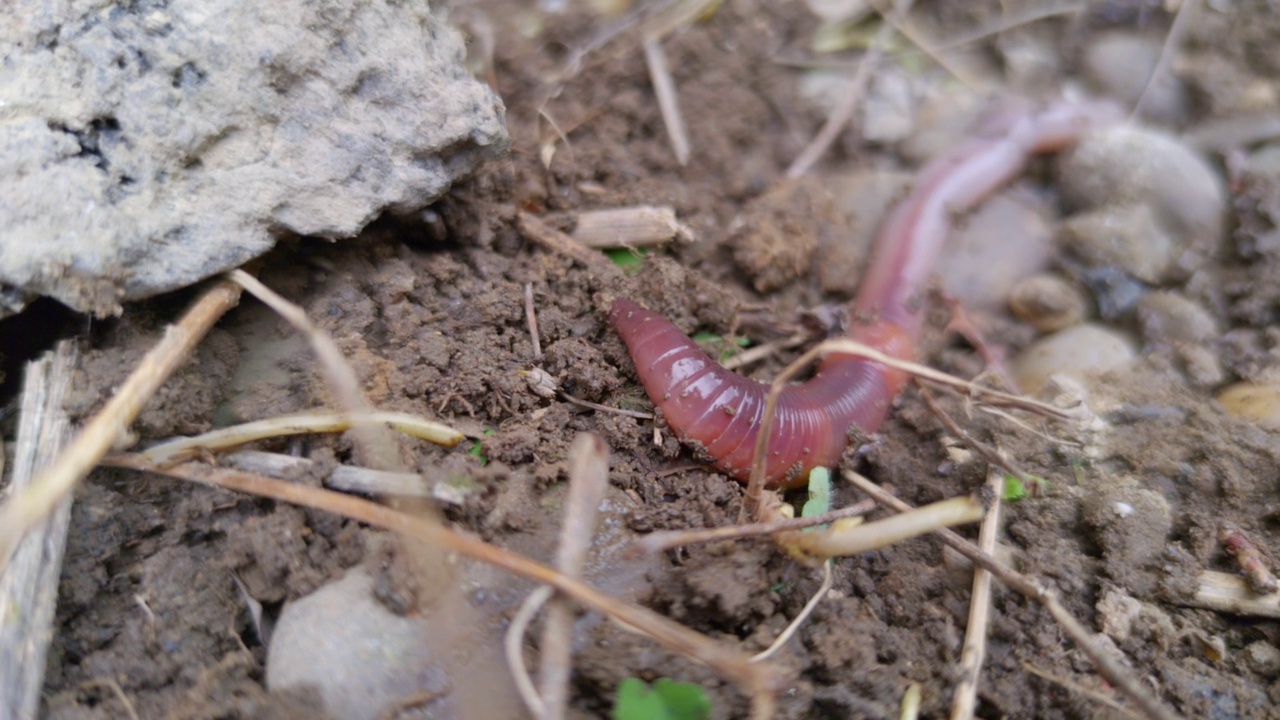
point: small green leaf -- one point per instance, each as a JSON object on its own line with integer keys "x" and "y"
{"x": 719, "y": 345}
{"x": 665, "y": 700}
{"x": 627, "y": 259}
{"x": 478, "y": 450}
{"x": 1014, "y": 490}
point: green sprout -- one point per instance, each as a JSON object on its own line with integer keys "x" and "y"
{"x": 720, "y": 346}
{"x": 628, "y": 260}
{"x": 478, "y": 450}
{"x": 1015, "y": 489}
{"x": 664, "y": 700}
{"x": 819, "y": 501}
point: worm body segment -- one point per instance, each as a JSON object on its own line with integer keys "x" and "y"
{"x": 720, "y": 411}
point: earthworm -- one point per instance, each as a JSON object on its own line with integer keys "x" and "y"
{"x": 720, "y": 411}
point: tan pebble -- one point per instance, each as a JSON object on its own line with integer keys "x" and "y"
{"x": 1255, "y": 402}
{"x": 1080, "y": 351}
{"x": 1131, "y": 165}
{"x": 1128, "y": 238}
{"x": 1168, "y": 318}
{"x": 1048, "y": 302}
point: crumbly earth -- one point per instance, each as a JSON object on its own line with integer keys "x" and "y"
{"x": 431, "y": 316}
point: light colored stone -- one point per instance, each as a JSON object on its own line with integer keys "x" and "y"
{"x": 1080, "y": 352}
{"x": 144, "y": 149}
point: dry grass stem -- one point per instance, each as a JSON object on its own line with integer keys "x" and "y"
{"x": 664, "y": 88}
{"x": 760, "y": 681}
{"x": 588, "y": 478}
{"x": 1024, "y": 17}
{"x": 764, "y": 350}
{"x": 29, "y": 584}
{"x": 532, "y": 318}
{"x": 630, "y": 227}
{"x": 1232, "y": 594}
{"x": 347, "y": 478}
{"x": 985, "y": 451}
{"x": 800, "y": 618}
{"x": 513, "y": 647}
{"x": 1117, "y": 674}
{"x": 552, "y": 239}
{"x": 1097, "y": 695}
{"x": 841, "y": 542}
{"x": 912, "y": 698}
{"x": 924, "y": 372}
{"x": 926, "y": 45}
{"x": 1172, "y": 41}
{"x": 965, "y": 700}
{"x": 667, "y": 539}
{"x": 114, "y": 687}
{"x": 319, "y": 421}
{"x": 840, "y": 117}
{"x": 605, "y": 408}
{"x": 29, "y": 508}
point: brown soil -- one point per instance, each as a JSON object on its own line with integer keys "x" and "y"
{"x": 431, "y": 316}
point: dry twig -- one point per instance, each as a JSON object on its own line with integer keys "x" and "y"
{"x": 799, "y": 619}
{"x": 532, "y": 318}
{"x": 29, "y": 585}
{"x": 552, "y": 239}
{"x": 965, "y": 699}
{"x": 1228, "y": 593}
{"x": 588, "y": 478}
{"x": 26, "y": 510}
{"x": 666, "y": 539}
{"x": 664, "y": 88}
{"x": 319, "y": 421}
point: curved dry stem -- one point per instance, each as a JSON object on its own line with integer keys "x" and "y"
{"x": 319, "y": 421}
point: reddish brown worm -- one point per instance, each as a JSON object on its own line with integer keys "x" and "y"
{"x": 720, "y": 411}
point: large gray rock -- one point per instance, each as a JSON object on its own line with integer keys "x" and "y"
{"x": 143, "y": 148}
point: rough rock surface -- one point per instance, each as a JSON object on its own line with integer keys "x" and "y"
{"x": 144, "y": 147}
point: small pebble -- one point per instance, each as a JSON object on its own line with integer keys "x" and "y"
{"x": 1258, "y": 403}
{"x": 1048, "y": 303}
{"x": 1130, "y": 165}
{"x": 1118, "y": 612}
{"x": 1115, "y": 292}
{"x": 1120, "y": 64}
{"x": 1262, "y": 657}
{"x": 979, "y": 266}
{"x": 1124, "y": 237}
{"x": 1080, "y": 351}
{"x": 1167, "y": 318}
{"x": 362, "y": 659}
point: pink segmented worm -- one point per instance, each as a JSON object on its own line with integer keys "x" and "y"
{"x": 720, "y": 411}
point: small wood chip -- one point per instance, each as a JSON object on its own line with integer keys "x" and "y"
{"x": 630, "y": 227}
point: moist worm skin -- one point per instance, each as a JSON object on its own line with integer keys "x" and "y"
{"x": 721, "y": 410}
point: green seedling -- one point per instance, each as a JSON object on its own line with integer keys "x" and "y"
{"x": 819, "y": 501}
{"x": 478, "y": 450}
{"x": 627, "y": 259}
{"x": 1015, "y": 489}
{"x": 664, "y": 700}
{"x": 720, "y": 346}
